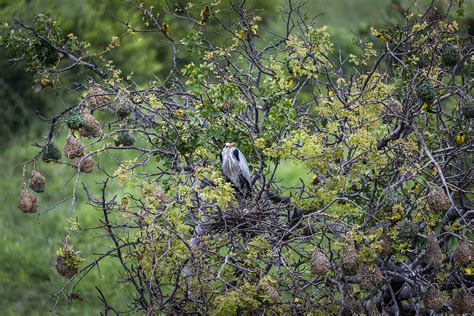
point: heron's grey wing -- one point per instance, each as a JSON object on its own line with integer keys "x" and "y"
{"x": 224, "y": 159}
{"x": 244, "y": 168}
{"x": 227, "y": 167}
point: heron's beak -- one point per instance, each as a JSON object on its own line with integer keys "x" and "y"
{"x": 230, "y": 145}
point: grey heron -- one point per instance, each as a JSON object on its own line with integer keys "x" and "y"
{"x": 236, "y": 169}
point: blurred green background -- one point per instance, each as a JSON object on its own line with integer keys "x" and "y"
{"x": 29, "y": 242}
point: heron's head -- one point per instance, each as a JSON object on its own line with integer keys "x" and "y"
{"x": 229, "y": 145}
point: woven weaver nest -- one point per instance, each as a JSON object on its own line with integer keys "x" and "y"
{"x": 449, "y": 55}
{"x": 349, "y": 258}
{"x": 464, "y": 253}
{"x": 96, "y": 96}
{"x": 433, "y": 299}
{"x": 269, "y": 291}
{"x": 124, "y": 138}
{"x": 426, "y": 92}
{"x": 123, "y": 106}
{"x": 87, "y": 164}
{"x": 92, "y": 127}
{"x": 51, "y": 152}
{"x": 27, "y": 203}
{"x": 468, "y": 110}
{"x": 351, "y": 307}
{"x": 462, "y": 302}
{"x": 74, "y": 119}
{"x": 438, "y": 200}
{"x": 37, "y": 181}
{"x": 407, "y": 230}
{"x": 434, "y": 254}
{"x": 394, "y": 107}
{"x": 320, "y": 264}
{"x": 67, "y": 261}
{"x": 370, "y": 276}
{"x": 386, "y": 244}
{"x": 73, "y": 147}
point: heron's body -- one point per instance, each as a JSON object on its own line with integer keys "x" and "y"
{"x": 236, "y": 169}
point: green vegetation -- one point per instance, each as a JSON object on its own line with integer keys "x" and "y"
{"x": 357, "y": 135}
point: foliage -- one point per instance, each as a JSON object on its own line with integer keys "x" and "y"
{"x": 187, "y": 243}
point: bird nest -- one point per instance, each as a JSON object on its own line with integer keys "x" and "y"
{"x": 257, "y": 219}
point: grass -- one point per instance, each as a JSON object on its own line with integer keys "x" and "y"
{"x": 29, "y": 242}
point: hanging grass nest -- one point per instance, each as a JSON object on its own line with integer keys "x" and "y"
{"x": 438, "y": 200}
{"x": 87, "y": 164}
{"x": 37, "y": 181}
{"x": 390, "y": 198}
{"x": 351, "y": 307}
{"x": 386, "y": 244}
{"x": 462, "y": 303}
{"x": 124, "y": 138}
{"x": 123, "y": 106}
{"x": 96, "y": 96}
{"x": 51, "y": 152}
{"x": 464, "y": 253}
{"x": 407, "y": 230}
{"x": 370, "y": 276}
{"x": 272, "y": 293}
{"x": 468, "y": 110}
{"x": 434, "y": 254}
{"x": 68, "y": 261}
{"x": 449, "y": 55}
{"x": 266, "y": 289}
{"x": 426, "y": 92}
{"x": 373, "y": 309}
{"x": 320, "y": 264}
{"x": 28, "y": 203}
{"x": 349, "y": 258}
{"x": 74, "y": 119}
{"x": 394, "y": 107}
{"x": 73, "y": 147}
{"x": 433, "y": 299}
{"x": 92, "y": 127}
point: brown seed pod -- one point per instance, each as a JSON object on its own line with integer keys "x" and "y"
{"x": 92, "y": 127}
{"x": 438, "y": 200}
{"x": 370, "y": 276}
{"x": 434, "y": 254}
{"x": 73, "y": 147}
{"x": 87, "y": 164}
{"x": 96, "y": 97}
{"x": 433, "y": 299}
{"x": 37, "y": 181}
{"x": 320, "y": 264}
{"x": 464, "y": 253}
{"x": 27, "y": 202}
{"x": 349, "y": 258}
{"x": 462, "y": 303}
